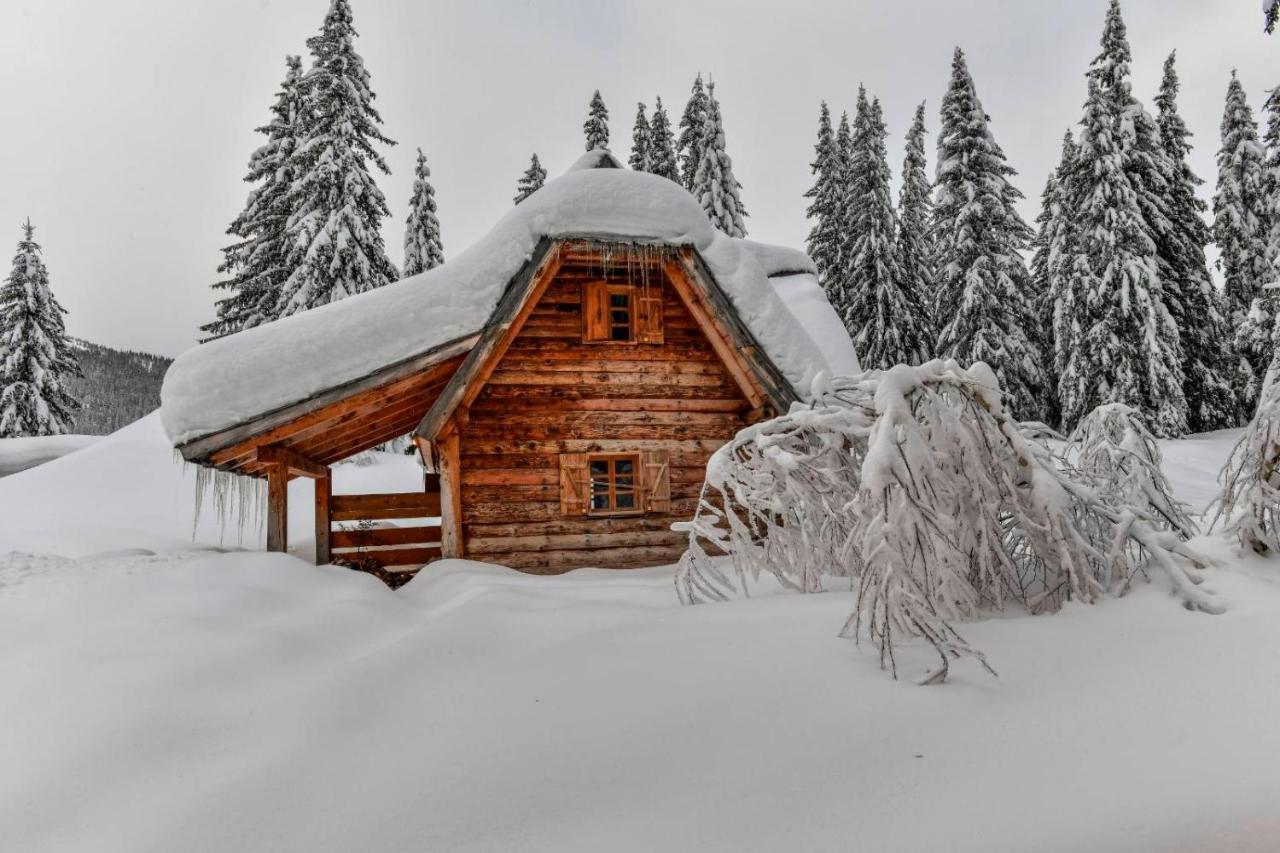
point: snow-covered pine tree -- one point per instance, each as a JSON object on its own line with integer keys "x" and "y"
{"x": 36, "y": 358}
{"x": 335, "y": 237}
{"x": 641, "y": 141}
{"x": 422, "y": 247}
{"x": 1193, "y": 301}
{"x": 984, "y": 297}
{"x": 596, "y": 127}
{"x": 1240, "y": 205}
{"x": 662, "y": 150}
{"x": 911, "y": 244}
{"x": 689, "y": 144}
{"x": 885, "y": 319}
{"x": 836, "y": 283}
{"x": 714, "y": 185}
{"x": 256, "y": 267}
{"x": 531, "y": 181}
{"x": 1119, "y": 344}
{"x": 827, "y": 194}
{"x": 1053, "y": 236}
{"x": 1271, "y": 12}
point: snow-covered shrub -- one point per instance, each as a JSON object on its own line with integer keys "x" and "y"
{"x": 1249, "y": 503}
{"x": 1117, "y": 455}
{"x": 916, "y": 485}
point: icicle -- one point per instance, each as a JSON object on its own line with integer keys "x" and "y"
{"x": 246, "y": 496}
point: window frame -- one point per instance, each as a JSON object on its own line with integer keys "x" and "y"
{"x": 636, "y": 488}
{"x": 626, "y": 291}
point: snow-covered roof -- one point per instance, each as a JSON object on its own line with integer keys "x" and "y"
{"x": 234, "y": 380}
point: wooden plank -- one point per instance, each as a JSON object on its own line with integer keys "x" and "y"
{"x": 401, "y": 505}
{"x": 277, "y": 508}
{"x": 395, "y": 556}
{"x": 452, "y": 543}
{"x": 488, "y": 406}
{"x": 324, "y": 522}
{"x": 604, "y": 558}
{"x": 594, "y": 364}
{"x": 377, "y": 537}
{"x": 498, "y": 512}
{"x": 294, "y": 463}
{"x": 567, "y": 526}
{"x": 509, "y": 445}
{"x": 507, "y": 376}
{"x": 199, "y": 449}
{"x": 574, "y": 542}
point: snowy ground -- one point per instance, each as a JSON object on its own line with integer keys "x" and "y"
{"x": 158, "y": 695}
{"x": 19, "y": 454}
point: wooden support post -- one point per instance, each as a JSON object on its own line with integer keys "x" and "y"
{"x": 277, "y": 508}
{"x": 324, "y": 523}
{"x": 449, "y": 458}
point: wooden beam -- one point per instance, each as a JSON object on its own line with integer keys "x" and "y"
{"x": 296, "y": 464}
{"x": 277, "y": 508}
{"x": 450, "y": 461}
{"x": 324, "y": 520}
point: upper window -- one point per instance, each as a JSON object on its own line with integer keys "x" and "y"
{"x": 622, "y": 313}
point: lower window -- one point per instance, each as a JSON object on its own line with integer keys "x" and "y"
{"x": 613, "y": 485}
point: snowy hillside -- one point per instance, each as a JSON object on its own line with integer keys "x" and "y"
{"x": 160, "y": 697}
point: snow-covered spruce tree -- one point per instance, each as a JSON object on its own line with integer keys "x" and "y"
{"x": 911, "y": 244}
{"x": 422, "y": 247}
{"x": 886, "y": 320}
{"x": 984, "y": 302}
{"x": 835, "y": 283}
{"x": 641, "y": 141}
{"x": 596, "y": 127}
{"x": 827, "y": 194}
{"x": 334, "y": 230}
{"x": 36, "y": 358}
{"x": 1240, "y": 205}
{"x": 919, "y": 485}
{"x": 1249, "y": 503}
{"x": 1053, "y": 236}
{"x": 256, "y": 267}
{"x": 1118, "y": 343}
{"x": 714, "y": 186}
{"x": 1271, "y": 12}
{"x": 531, "y": 181}
{"x": 1117, "y": 455}
{"x": 1194, "y": 302}
{"x": 689, "y": 143}
{"x": 662, "y": 150}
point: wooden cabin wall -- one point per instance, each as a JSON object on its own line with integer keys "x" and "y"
{"x": 551, "y": 394}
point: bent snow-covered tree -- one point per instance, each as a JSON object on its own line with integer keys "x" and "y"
{"x": 422, "y": 247}
{"x": 918, "y": 485}
{"x": 335, "y": 237}
{"x": 1249, "y": 503}
{"x": 36, "y": 358}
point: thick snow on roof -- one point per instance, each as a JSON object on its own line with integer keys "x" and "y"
{"x": 235, "y": 379}
{"x": 807, "y": 301}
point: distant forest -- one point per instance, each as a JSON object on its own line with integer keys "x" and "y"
{"x": 118, "y": 387}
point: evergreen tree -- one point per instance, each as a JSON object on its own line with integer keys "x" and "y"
{"x": 689, "y": 144}
{"x": 256, "y": 266}
{"x": 827, "y": 193}
{"x": 1116, "y": 341}
{"x": 1192, "y": 299}
{"x": 662, "y": 151}
{"x": 1053, "y": 237}
{"x": 984, "y": 297}
{"x": 1271, "y": 11}
{"x": 834, "y": 279}
{"x": 596, "y": 127}
{"x": 531, "y": 181}
{"x": 911, "y": 246}
{"x": 884, "y": 317}
{"x": 422, "y": 247}
{"x": 714, "y": 186}
{"x": 641, "y": 142}
{"x": 335, "y": 239}
{"x": 1240, "y": 206}
{"x": 36, "y": 359}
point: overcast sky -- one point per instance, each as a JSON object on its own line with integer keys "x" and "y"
{"x": 128, "y": 123}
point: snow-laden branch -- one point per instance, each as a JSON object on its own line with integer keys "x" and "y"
{"x": 919, "y": 487}
{"x": 1249, "y": 503}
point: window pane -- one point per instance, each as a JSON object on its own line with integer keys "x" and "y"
{"x": 624, "y": 466}
{"x": 621, "y": 333}
{"x": 599, "y": 468}
{"x": 618, "y": 300}
{"x": 626, "y": 500}
{"x": 600, "y": 501}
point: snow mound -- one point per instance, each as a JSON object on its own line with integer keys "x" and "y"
{"x": 807, "y": 302}
{"x": 19, "y": 454}
{"x": 226, "y": 382}
{"x": 780, "y": 260}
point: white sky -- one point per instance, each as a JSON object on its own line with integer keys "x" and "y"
{"x": 128, "y": 123}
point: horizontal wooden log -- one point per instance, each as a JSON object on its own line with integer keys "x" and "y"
{"x": 554, "y": 562}
{"x": 503, "y": 376}
{"x": 610, "y": 365}
{"x": 596, "y": 431}
{"x": 296, "y": 464}
{"x": 651, "y": 390}
{"x": 564, "y": 526}
{"x": 393, "y": 556}
{"x": 575, "y": 542}
{"x": 517, "y": 445}
{"x": 489, "y": 512}
{"x": 401, "y": 505}
{"x": 696, "y": 460}
{"x": 571, "y": 350}
{"x": 377, "y": 537}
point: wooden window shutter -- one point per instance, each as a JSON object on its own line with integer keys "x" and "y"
{"x": 656, "y": 465}
{"x": 573, "y": 484}
{"x": 595, "y": 311}
{"x": 648, "y": 315}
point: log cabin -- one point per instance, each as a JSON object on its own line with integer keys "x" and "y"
{"x": 565, "y": 382}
